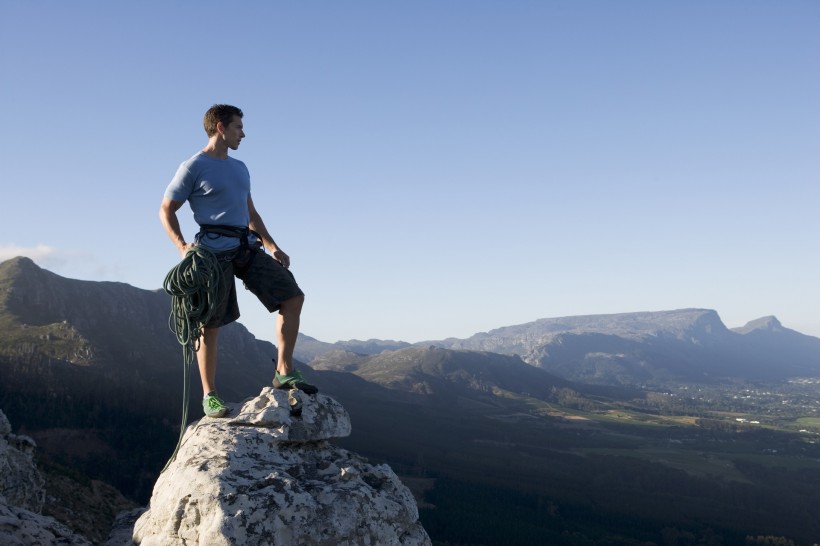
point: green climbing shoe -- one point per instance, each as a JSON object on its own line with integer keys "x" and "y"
{"x": 293, "y": 380}
{"x": 214, "y": 406}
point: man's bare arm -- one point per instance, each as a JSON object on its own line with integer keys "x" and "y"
{"x": 168, "y": 217}
{"x": 258, "y": 226}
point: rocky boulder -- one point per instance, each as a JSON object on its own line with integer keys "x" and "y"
{"x": 267, "y": 475}
{"x": 22, "y": 495}
{"x": 20, "y": 482}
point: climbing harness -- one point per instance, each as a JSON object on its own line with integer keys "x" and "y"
{"x": 193, "y": 285}
{"x": 247, "y": 249}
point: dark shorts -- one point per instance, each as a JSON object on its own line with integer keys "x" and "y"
{"x": 266, "y": 278}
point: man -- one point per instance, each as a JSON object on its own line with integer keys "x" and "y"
{"x": 217, "y": 188}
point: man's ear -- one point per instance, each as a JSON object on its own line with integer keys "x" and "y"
{"x": 220, "y": 128}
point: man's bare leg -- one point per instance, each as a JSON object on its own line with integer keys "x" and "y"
{"x": 287, "y": 328}
{"x": 206, "y": 358}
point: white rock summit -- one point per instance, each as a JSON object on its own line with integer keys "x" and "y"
{"x": 266, "y": 475}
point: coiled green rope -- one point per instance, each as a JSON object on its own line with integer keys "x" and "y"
{"x": 193, "y": 285}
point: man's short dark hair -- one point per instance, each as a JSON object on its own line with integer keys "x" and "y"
{"x": 217, "y": 113}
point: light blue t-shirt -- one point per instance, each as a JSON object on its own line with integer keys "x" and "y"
{"x": 217, "y": 191}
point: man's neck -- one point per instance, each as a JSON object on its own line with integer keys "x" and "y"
{"x": 216, "y": 149}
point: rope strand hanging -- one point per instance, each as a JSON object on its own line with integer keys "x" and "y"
{"x": 193, "y": 285}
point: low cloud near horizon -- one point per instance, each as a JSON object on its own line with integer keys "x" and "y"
{"x": 39, "y": 253}
{"x": 76, "y": 265}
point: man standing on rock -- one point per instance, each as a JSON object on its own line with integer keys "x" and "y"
{"x": 218, "y": 190}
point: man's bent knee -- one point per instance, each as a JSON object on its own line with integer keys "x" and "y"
{"x": 293, "y": 304}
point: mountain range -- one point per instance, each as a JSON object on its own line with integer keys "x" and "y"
{"x": 651, "y": 348}
{"x": 558, "y": 418}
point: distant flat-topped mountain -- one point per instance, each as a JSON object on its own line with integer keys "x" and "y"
{"x": 653, "y": 347}
{"x": 524, "y": 338}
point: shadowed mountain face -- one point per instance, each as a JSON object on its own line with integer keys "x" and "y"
{"x": 105, "y": 326}
{"x": 98, "y": 357}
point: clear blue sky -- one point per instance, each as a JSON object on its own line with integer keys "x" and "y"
{"x": 435, "y": 169}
